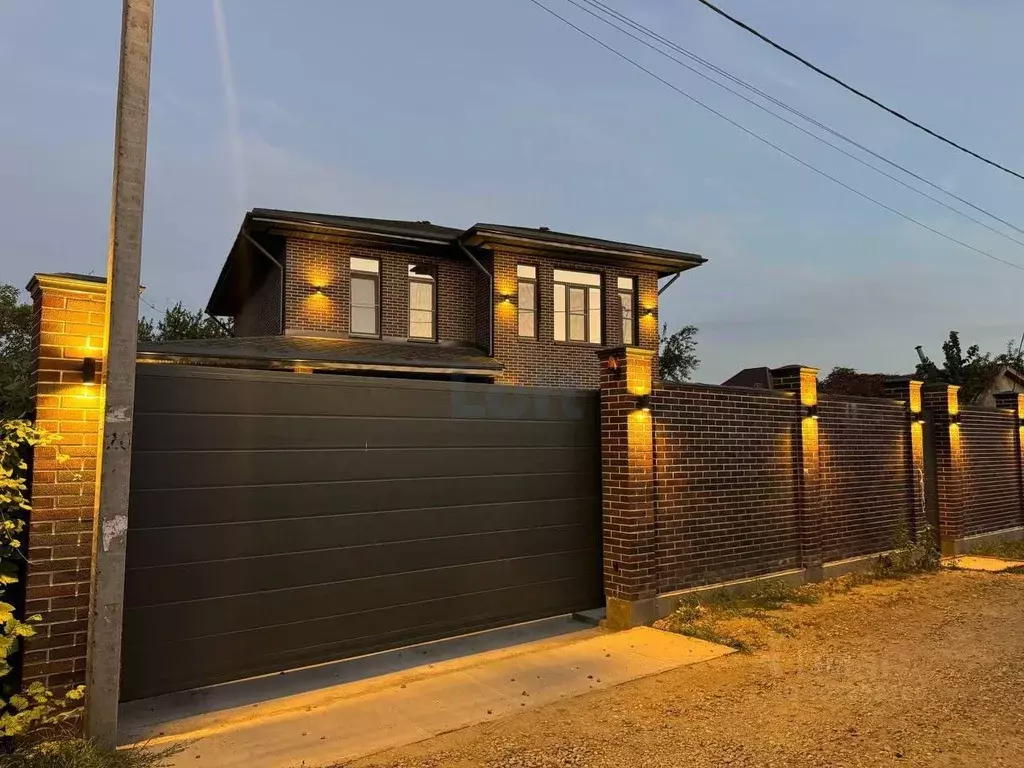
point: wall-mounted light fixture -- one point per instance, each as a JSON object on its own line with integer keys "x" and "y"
{"x": 811, "y": 411}
{"x": 954, "y": 418}
{"x": 89, "y": 371}
{"x": 647, "y": 312}
{"x": 318, "y": 290}
{"x": 504, "y": 298}
{"x": 643, "y": 403}
{"x": 916, "y": 417}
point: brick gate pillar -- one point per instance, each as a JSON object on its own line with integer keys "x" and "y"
{"x": 1015, "y": 401}
{"x": 909, "y": 391}
{"x": 804, "y": 382}
{"x": 67, "y": 352}
{"x": 627, "y": 486}
{"x": 942, "y": 401}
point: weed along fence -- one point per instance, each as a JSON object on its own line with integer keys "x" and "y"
{"x": 280, "y": 519}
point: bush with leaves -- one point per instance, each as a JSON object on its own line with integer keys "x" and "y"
{"x": 36, "y": 705}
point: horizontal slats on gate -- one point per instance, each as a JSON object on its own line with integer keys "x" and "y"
{"x": 279, "y": 520}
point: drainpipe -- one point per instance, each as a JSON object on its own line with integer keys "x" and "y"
{"x": 490, "y": 281}
{"x": 277, "y": 263}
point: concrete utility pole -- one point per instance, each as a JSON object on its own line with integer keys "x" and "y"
{"x": 124, "y": 263}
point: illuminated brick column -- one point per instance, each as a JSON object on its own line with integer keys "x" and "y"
{"x": 69, "y": 326}
{"x": 804, "y": 382}
{"x": 909, "y": 391}
{"x": 942, "y": 401}
{"x": 1015, "y": 401}
{"x": 627, "y": 486}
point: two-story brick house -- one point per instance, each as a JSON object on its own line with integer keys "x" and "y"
{"x": 493, "y": 303}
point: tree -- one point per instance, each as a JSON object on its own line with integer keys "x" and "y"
{"x": 180, "y": 323}
{"x": 15, "y": 353}
{"x": 846, "y": 381}
{"x": 677, "y": 359}
{"x": 972, "y": 371}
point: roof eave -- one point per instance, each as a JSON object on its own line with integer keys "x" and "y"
{"x": 275, "y": 363}
{"x": 667, "y": 263}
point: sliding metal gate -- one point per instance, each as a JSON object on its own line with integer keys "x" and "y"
{"x": 279, "y": 520}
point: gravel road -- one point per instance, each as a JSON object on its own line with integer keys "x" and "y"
{"x": 923, "y": 672}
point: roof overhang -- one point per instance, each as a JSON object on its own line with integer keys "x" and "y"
{"x": 665, "y": 262}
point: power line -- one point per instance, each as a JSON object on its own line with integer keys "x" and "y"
{"x": 851, "y": 89}
{"x": 739, "y": 81}
{"x": 771, "y": 144}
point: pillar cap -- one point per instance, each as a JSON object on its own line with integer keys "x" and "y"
{"x": 67, "y": 281}
{"x": 794, "y": 368}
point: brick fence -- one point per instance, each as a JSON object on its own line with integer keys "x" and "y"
{"x": 69, "y": 327}
{"x": 706, "y": 485}
{"x": 700, "y": 484}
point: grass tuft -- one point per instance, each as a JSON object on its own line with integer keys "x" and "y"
{"x": 1006, "y": 550}
{"x": 80, "y": 753}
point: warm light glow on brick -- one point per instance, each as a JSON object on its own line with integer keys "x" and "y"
{"x": 953, "y": 399}
{"x": 320, "y": 275}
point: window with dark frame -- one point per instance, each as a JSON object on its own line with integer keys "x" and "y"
{"x": 627, "y": 300}
{"x": 422, "y": 303}
{"x": 527, "y": 300}
{"x": 577, "y": 306}
{"x": 364, "y": 301}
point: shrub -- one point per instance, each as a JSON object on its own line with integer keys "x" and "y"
{"x": 79, "y": 753}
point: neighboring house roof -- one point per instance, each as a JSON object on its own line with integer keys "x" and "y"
{"x": 326, "y": 354}
{"x": 245, "y": 267}
{"x": 753, "y": 378}
{"x": 1010, "y": 373}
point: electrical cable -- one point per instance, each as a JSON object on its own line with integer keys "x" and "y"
{"x": 861, "y": 94}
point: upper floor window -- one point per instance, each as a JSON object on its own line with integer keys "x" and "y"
{"x": 627, "y": 300}
{"x": 527, "y": 293}
{"x": 364, "y": 307}
{"x": 422, "y": 304}
{"x": 577, "y": 300}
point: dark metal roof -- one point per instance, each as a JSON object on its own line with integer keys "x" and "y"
{"x": 245, "y": 267}
{"x": 543, "y": 237}
{"x": 326, "y": 353}
{"x": 409, "y": 229}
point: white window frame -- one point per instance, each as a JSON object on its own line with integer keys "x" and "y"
{"x": 365, "y": 269}
{"x": 426, "y": 277}
{"x": 627, "y": 302}
{"x": 526, "y": 274}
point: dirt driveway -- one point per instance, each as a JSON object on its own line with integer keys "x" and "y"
{"x": 923, "y": 672}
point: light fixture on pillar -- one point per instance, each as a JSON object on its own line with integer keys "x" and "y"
{"x": 504, "y": 298}
{"x": 643, "y": 403}
{"x": 811, "y": 411}
{"x": 89, "y": 371}
{"x": 954, "y": 418}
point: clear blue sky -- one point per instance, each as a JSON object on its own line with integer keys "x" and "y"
{"x": 460, "y": 111}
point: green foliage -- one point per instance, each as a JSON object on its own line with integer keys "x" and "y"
{"x": 79, "y": 753}
{"x": 972, "y": 370}
{"x": 180, "y": 323}
{"x": 20, "y": 711}
{"x": 908, "y": 555}
{"x": 15, "y": 353}
{"x": 677, "y": 358}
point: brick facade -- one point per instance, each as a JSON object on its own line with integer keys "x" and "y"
{"x": 544, "y": 361}
{"x": 262, "y": 313}
{"x": 69, "y": 326}
{"x": 316, "y": 301}
{"x": 314, "y": 265}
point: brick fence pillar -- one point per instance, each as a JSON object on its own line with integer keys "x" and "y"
{"x": 627, "y": 486}
{"x": 942, "y": 402}
{"x": 69, "y": 327}
{"x": 1015, "y": 401}
{"x": 909, "y": 391}
{"x": 804, "y": 382}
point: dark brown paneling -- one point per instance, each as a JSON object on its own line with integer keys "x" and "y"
{"x": 278, "y": 520}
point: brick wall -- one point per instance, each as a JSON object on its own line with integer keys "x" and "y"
{"x": 727, "y": 483}
{"x": 261, "y": 313}
{"x": 865, "y": 471}
{"x": 543, "y": 361}
{"x": 992, "y": 502}
{"x": 69, "y": 326}
{"x": 311, "y": 264}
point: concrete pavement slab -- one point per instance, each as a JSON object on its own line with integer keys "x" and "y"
{"x": 360, "y": 717}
